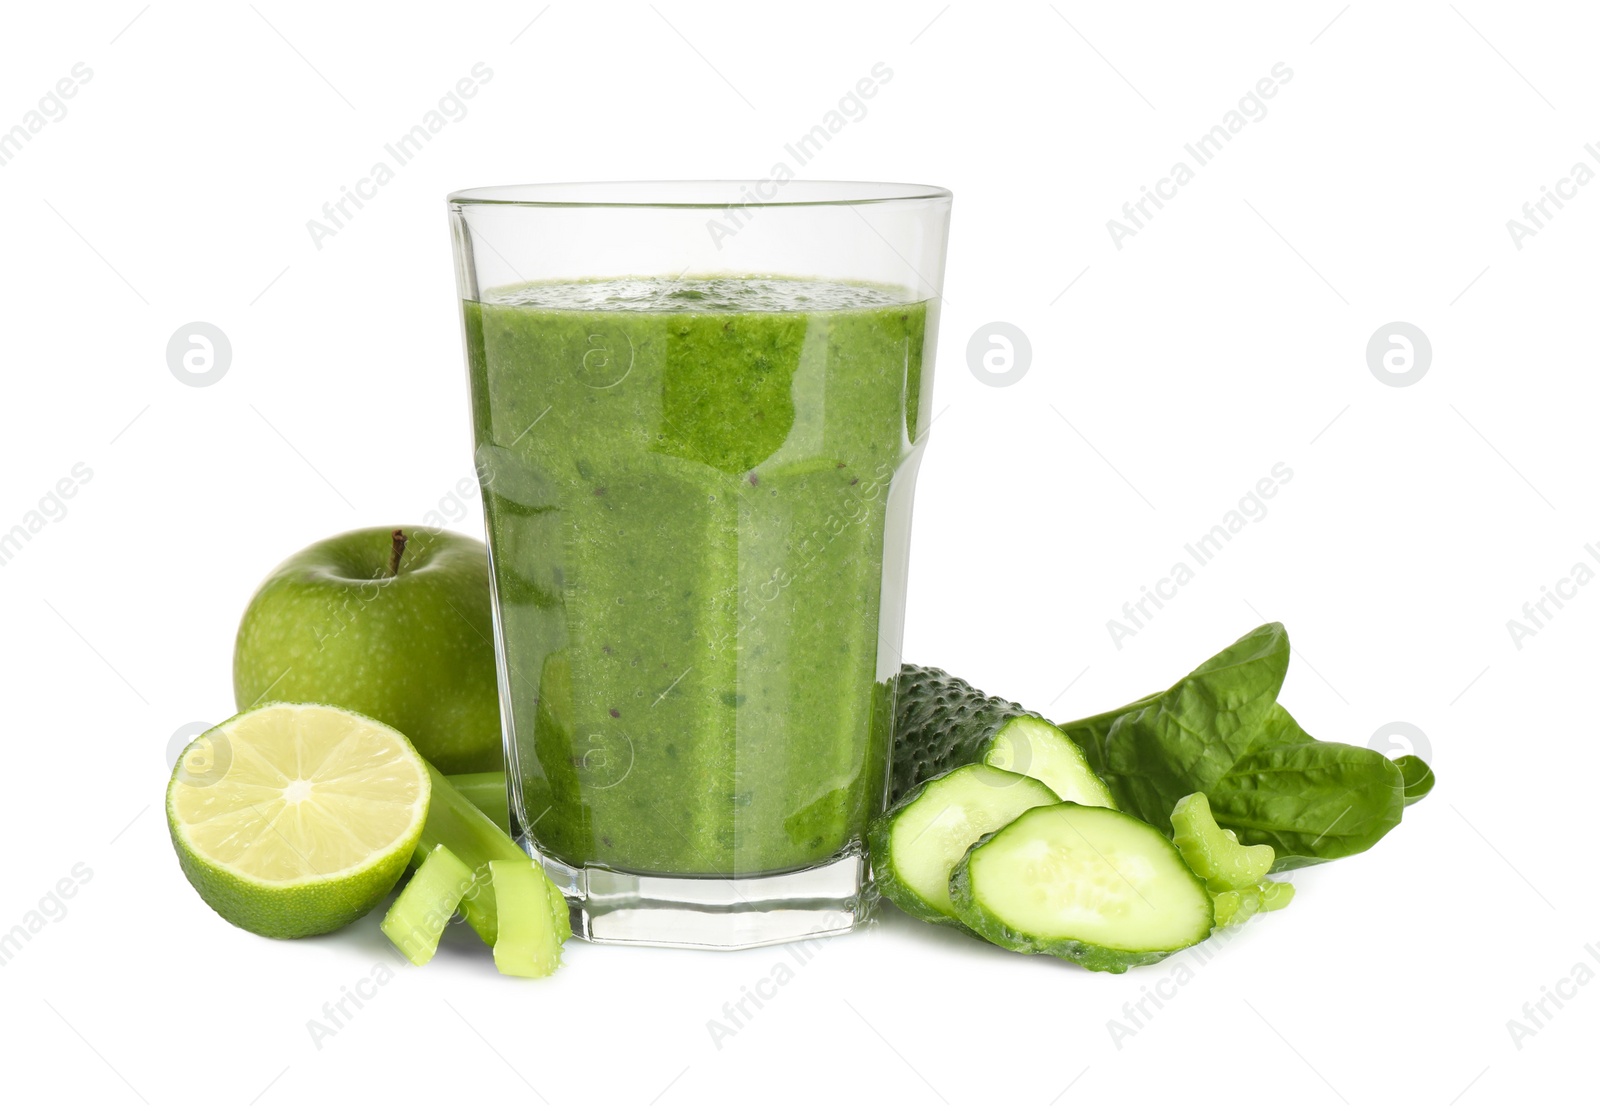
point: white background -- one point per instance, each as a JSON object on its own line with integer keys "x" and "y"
{"x": 1226, "y": 336}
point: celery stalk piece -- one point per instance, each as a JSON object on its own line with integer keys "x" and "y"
{"x": 486, "y": 791}
{"x": 1275, "y": 895}
{"x": 1234, "y": 907}
{"x": 1215, "y": 853}
{"x": 476, "y": 841}
{"x": 560, "y": 912}
{"x": 419, "y": 915}
{"x": 528, "y": 943}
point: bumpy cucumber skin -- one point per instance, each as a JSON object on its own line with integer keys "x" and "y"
{"x": 1096, "y": 958}
{"x": 879, "y": 837}
{"x": 940, "y": 723}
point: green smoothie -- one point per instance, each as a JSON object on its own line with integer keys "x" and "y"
{"x": 696, "y": 490}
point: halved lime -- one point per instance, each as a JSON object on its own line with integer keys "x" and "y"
{"x": 292, "y": 820}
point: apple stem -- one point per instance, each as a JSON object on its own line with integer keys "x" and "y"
{"x": 398, "y": 550}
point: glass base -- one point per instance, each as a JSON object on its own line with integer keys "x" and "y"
{"x": 623, "y": 908}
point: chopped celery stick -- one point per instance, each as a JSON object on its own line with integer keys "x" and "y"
{"x": 425, "y": 905}
{"x": 1215, "y": 853}
{"x": 1276, "y": 895}
{"x": 476, "y": 841}
{"x": 486, "y": 791}
{"x": 528, "y": 943}
{"x": 1234, "y": 907}
{"x": 562, "y": 913}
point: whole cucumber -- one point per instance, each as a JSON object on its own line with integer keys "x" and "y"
{"x": 940, "y": 723}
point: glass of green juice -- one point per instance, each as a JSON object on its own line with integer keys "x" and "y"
{"x": 698, "y": 408}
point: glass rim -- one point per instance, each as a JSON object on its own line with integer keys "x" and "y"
{"x": 696, "y": 193}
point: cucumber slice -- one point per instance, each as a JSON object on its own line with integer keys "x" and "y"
{"x": 1035, "y": 747}
{"x": 943, "y": 723}
{"x": 915, "y": 845}
{"x": 1088, "y": 884}
{"x": 1213, "y": 852}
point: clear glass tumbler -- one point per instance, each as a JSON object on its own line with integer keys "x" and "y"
{"x": 698, "y": 409}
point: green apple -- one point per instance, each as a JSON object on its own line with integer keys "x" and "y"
{"x": 390, "y": 623}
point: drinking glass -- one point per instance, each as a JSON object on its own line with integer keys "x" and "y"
{"x": 698, "y": 409}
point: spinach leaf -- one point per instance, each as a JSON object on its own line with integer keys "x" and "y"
{"x": 1418, "y": 777}
{"x": 1310, "y": 800}
{"x": 1089, "y": 734}
{"x": 1185, "y": 740}
{"x": 1220, "y": 730}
